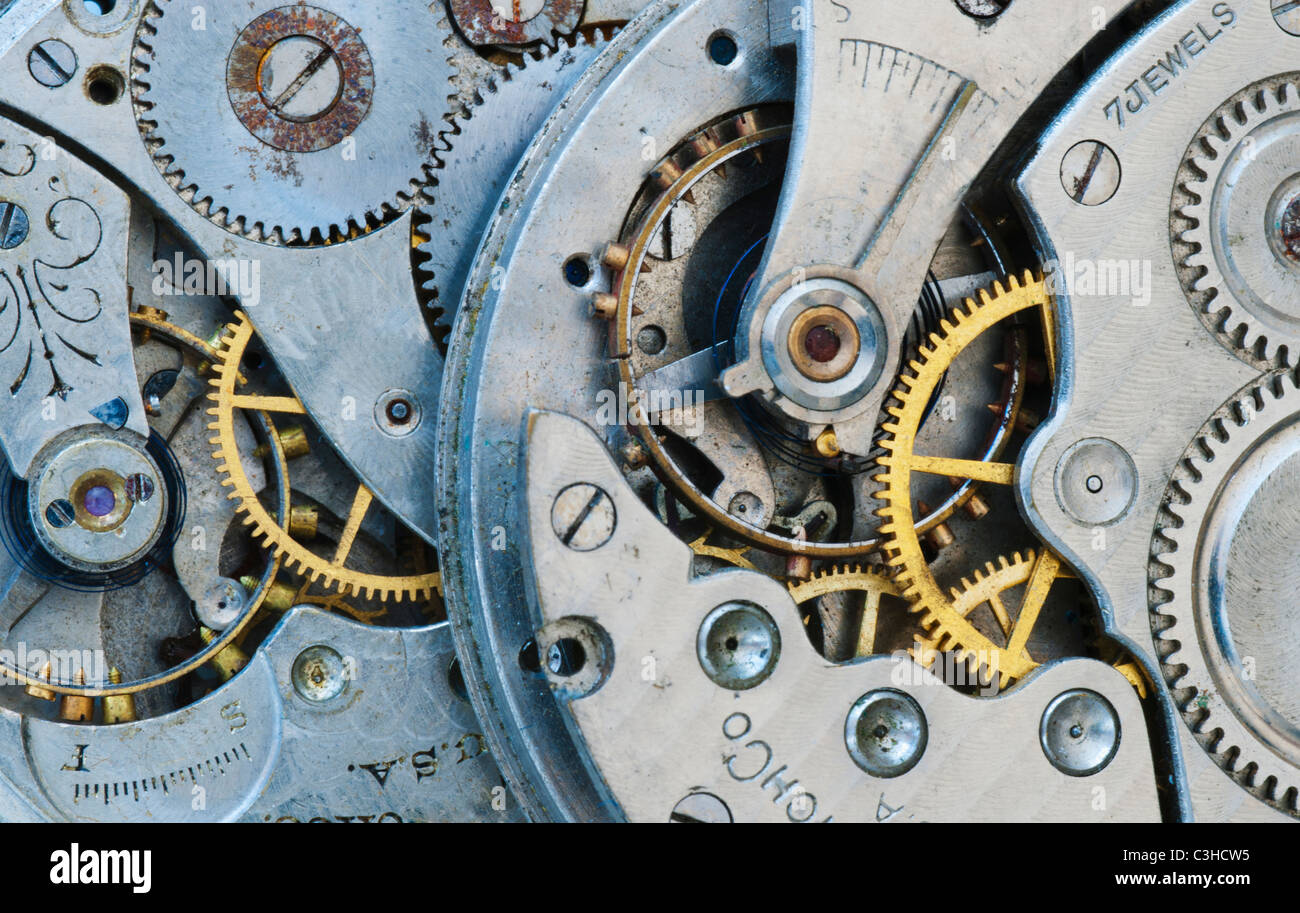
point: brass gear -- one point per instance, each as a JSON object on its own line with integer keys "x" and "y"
{"x": 328, "y": 573}
{"x": 942, "y": 618}
{"x": 985, "y": 588}
{"x": 873, "y": 582}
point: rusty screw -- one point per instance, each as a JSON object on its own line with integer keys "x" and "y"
{"x": 139, "y": 487}
{"x": 1090, "y": 172}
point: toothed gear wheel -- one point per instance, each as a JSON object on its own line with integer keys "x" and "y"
{"x": 873, "y": 583}
{"x": 1005, "y": 659}
{"x": 983, "y": 588}
{"x": 327, "y": 573}
{"x": 1239, "y": 193}
{"x": 876, "y": 582}
{"x": 480, "y": 156}
{"x": 1224, "y": 579}
{"x": 319, "y": 124}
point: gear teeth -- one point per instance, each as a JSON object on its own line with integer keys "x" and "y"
{"x": 1185, "y": 668}
{"x": 376, "y": 214}
{"x": 262, "y": 527}
{"x": 939, "y": 613}
{"x": 1241, "y": 332}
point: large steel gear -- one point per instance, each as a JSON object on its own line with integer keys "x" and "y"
{"x": 1010, "y": 659}
{"x": 1224, "y": 585}
{"x": 330, "y": 572}
{"x": 319, "y": 124}
{"x": 476, "y": 160}
{"x": 1240, "y": 258}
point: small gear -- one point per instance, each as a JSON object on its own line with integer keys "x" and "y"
{"x": 1223, "y": 584}
{"x": 874, "y": 583}
{"x": 942, "y": 619}
{"x": 986, "y": 589}
{"x": 327, "y": 572}
{"x": 476, "y": 161}
{"x": 1236, "y": 223}
{"x": 319, "y": 126}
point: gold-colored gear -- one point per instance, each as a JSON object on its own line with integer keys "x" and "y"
{"x": 328, "y": 573}
{"x": 985, "y": 588}
{"x": 943, "y": 620}
{"x": 874, "y": 583}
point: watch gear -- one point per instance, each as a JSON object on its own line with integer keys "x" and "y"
{"x": 1005, "y": 659}
{"x": 1239, "y": 258}
{"x": 1223, "y": 588}
{"x": 476, "y": 160}
{"x": 330, "y": 572}
{"x": 696, "y": 229}
{"x": 874, "y": 584}
{"x": 319, "y": 124}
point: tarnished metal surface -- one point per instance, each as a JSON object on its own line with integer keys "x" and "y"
{"x": 397, "y": 744}
{"x": 487, "y": 22}
{"x": 775, "y": 750}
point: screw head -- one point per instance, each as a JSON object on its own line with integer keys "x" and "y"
{"x": 983, "y": 9}
{"x": 738, "y": 645}
{"x": 701, "y": 808}
{"x": 14, "y": 225}
{"x": 1079, "y": 732}
{"x": 139, "y": 487}
{"x": 886, "y": 732}
{"x": 318, "y": 674}
{"x": 52, "y": 63}
{"x": 583, "y": 517}
{"x": 1287, "y": 15}
{"x": 221, "y": 605}
{"x": 1090, "y": 173}
{"x": 60, "y": 514}
{"x": 301, "y": 78}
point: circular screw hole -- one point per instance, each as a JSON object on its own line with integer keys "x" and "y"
{"x": 399, "y": 412}
{"x": 529, "y": 660}
{"x": 566, "y": 657}
{"x": 576, "y": 271}
{"x": 822, "y": 344}
{"x": 651, "y": 340}
{"x": 722, "y": 49}
{"x": 700, "y": 808}
{"x": 99, "y": 7}
{"x": 983, "y": 9}
{"x": 886, "y": 733}
{"x": 738, "y": 645}
{"x": 104, "y": 85}
{"x": 319, "y": 674}
{"x": 60, "y": 513}
{"x": 1079, "y": 732}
